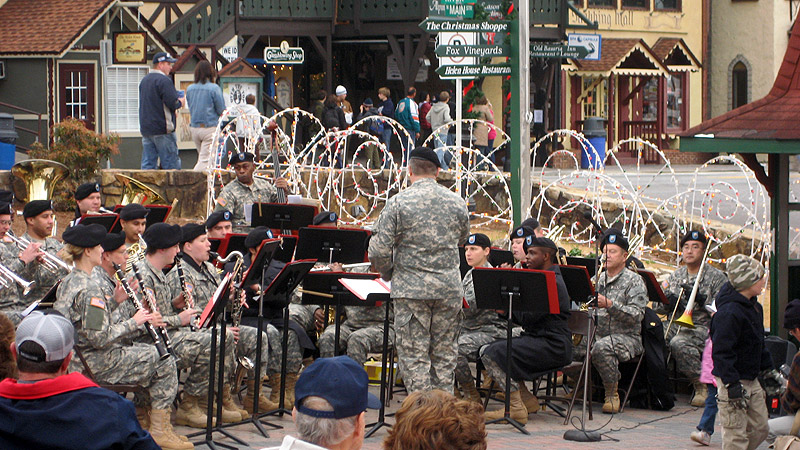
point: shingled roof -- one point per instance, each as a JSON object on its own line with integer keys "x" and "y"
{"x": 776, "y": 116}
{"x": 46, "y": 27}
{"x": 676, "y": 55}
{"x": 624, "y": 57}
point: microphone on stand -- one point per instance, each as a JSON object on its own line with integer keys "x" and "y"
{"x": 598, "y": 229}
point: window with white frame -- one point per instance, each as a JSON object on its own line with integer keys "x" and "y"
{"x": 123, "y": 96}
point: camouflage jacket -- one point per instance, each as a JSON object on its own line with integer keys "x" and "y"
{"x": 35, "y": 271}
{"x": 235, "y": 196}
{"x": 81, "y": 300}
{"x": 201, "y": 280}
{"x": 415, "y": 241}
{"x": 155, "y": 284}
{"x": 473, "y": 319}
{"x": 107, "y": 284}
{"x": 628, "y": 295}
{"x": 11, "y": 297}
{"x": 710, "y": 284}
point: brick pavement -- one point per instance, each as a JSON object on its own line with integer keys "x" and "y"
{"x": 634, "y": 429}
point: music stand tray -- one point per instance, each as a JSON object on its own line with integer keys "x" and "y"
{"x": 654, "y": 292}
{"x": 109, "y": 221}
{"x": 497, "y": 256}
{"x": 285, "y": 252}
{"x": 266, "y": 251}
{"x": 589, "y": 263}
{"x": 578, "y": 282}
{"x": 282, "y": 216}
{"x": 158, "y": 213}
{"x": 332, "y": 244}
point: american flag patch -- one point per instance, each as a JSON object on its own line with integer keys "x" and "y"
{"x": 222, "y": 201}
{"x": 98, "y": 302}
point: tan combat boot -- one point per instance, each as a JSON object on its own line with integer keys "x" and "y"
{"x": 517, "y": 410}
{"x": 264, "y": 404}
{"x": 530, "y": 400}
{"x": 275, "y": 384}
{"x": 611, "y": 404}
{"x": 190, "y": 414}
{"x": 230, "y": 404}
{"x": 143, "y": 416}
{"x": 471, "y": 391}
{"x": 162, "y": 432}
{"x": 700, "y": 393}
{"x": 291, "y": 380}
{"x": 228, "y": 415}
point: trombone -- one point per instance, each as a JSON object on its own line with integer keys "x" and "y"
{"x": 8, "y": 277}
{"x": 51, "y": 262}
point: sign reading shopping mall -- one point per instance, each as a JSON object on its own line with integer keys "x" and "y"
{"x": 284, "y": 54}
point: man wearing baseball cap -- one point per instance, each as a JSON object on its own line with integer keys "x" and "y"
{"x": 331, "y": 394}
{"x": 739, "y": 354}
{"x": 48, "y": 408}
{"x": 158, "y": 102}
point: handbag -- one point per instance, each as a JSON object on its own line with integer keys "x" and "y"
{"x": 790, "y": 441}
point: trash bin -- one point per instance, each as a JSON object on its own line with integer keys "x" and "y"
{"x": 8, "y": 141}
{"x": 595, "y": 131}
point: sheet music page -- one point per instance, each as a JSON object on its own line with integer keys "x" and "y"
{"x": 248, "y": 213}
{"x": 362, "y": 288}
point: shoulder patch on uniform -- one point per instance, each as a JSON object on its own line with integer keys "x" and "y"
{"x": 221, "y": 201}
{"x": 98, "y": 302}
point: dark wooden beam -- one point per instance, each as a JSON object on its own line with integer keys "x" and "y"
{"x": 249, "y": 44}
{"x": 397, "y": 53}
{"x": 155, "y": 14}
{"x": 419, "y": 53}
{"x": 329, "y": 64}
{"x": 320, "y": 49}
{"x": 636, "y": 89}
{"x": 284, "y": 28}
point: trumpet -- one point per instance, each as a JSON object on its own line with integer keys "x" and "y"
{"x": 8, "y": 277}
{"x": 685, "y": 320}
{"x": 51, "y": 262}
{"x": 163, "y": 350}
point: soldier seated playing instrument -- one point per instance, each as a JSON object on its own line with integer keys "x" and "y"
{"x": 246, "y": 189}
{"x": 686, "y": 344}
{"x": 545, "y": 343}
{"x": 219, "y": 224}
{"x": 133, "y": 220}
{"x": 39, "y": 222}
{"x": 14, "y": 259}
{"x": 479, "y": 327}
{"x": 81, "y": 300}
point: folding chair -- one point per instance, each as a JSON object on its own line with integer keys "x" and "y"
{"x": 118, "y": 388}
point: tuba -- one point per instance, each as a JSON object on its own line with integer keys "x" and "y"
{"x": 40, "y": 177}
{"x": 134, "y": 191}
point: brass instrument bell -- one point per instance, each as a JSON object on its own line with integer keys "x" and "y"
{"x": 40, "y": 177}
{"x": 134, "y": 191}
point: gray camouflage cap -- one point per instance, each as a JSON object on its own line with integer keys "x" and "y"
{"x": 743, "y": 271}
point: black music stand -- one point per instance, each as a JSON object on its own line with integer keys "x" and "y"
{"x": 514, "y": 290}
{"x": 214, "y": 314}
{"x": 654, "y": 291}
{"x": 109, "y": 221}
{"x": 282, "y": 216}
{"x": 386, "y": 299}
{"x": 578, "y": 282}
{"x": 345, "y": 246}
{"x": 157, "y": 213}
{"x": 285, "y": 252}
{"x": 280, "y": 291}
{"x": 589, "y": 263}
{"x": 497, "y": 256}
{"x": 328, "y": 283}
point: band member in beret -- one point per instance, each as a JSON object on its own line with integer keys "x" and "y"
{"x": 246, "y": 190}
{"x": 39, "y": 221}
{"x": 133, "y": 220}
{"x": 219, "y": 224}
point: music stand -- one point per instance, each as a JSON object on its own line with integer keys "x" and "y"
{"x": 345, "y": 246}
{"x": 654, "y": 291}
{"x": 589, "y": 263}
{"x": 285, "y": 252}
{"x": 108, "y": 221}
{"x": 157, "y": 213}
{"x": 578, "y": 282}
{"x": 280, "y": 291}
{"x": 514, "y": 290}
{"x": 337, "y": 295}
{"x": 282, "y": 216}
{"x": 497, "y": 256}
{"x": 214, "y": 314}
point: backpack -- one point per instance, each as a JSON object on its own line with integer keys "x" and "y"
{"x": 376, "y": 127}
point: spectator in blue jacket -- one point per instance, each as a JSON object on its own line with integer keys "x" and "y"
{"x": 158, "y": 101}
{"x": 206, "y": 104}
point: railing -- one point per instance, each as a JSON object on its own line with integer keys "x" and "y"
{"x": 643, "y": 129}
{"x": 36, "y": 133}
{"x": 301, "y": 9}
{"x": 201, "y": 22}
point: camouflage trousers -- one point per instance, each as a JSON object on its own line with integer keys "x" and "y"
{"x": 294, "y": 354}
{"x": 469, "y": 346}
{"x": 498, "y": 374}
{"x": 193, "y": 349}
{"x": 247, "y": 346}
{"x": 608, "y": 352}
{"x": 354, "y": 342}
{"x": 303, "y": 315}
{"x": 427, "y": 332}
{"x": 136, "y": 364}
{"x": 687, "y": 350}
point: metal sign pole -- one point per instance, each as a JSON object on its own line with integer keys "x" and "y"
{"x": 520, "y": 114}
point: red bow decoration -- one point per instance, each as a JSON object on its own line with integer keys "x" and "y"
{"x": 468, "y": 87}
{"x": 510, "y": 9}
{"x": 470, "y": 108}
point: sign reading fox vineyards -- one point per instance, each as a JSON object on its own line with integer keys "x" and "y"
{"x": 284, "y": 54}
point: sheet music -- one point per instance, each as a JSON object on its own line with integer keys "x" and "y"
{"x": 363, "y": 288}
{"x": 248, "y": 213}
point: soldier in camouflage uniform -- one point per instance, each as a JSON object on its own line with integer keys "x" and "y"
{"x": 39, "y": 223}
{"x": 133, "y": 220}
{"x": 191, "y": 347}
{"x": 479, "y": 327}
{"x": 622, "y": 297}
{"x": 98, "y": 336}
{"x": 415, "y": 244}
{"x": 11, "y": 296}
{"x": 686, "y": 344}
{"x": 246, "y": 190}
{"x": 201, "y": 281}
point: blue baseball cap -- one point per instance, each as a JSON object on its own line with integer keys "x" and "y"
{"x": 340, "y": 381}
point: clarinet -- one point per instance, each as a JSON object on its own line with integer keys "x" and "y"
{"x": 186, "y": 294}
{"x": 152, "y": 305}
{"x": 163, "y": 351}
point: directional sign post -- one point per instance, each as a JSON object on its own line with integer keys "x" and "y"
{"x": 474, "y": 71}
{"x": 480, "y": 51}
{"x": 559, "y": 51}
{"x": 433, "y": 26}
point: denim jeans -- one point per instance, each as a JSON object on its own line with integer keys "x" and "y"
{"x": 386, "y": 137}
{"x": 710, "y": 411}
{"x": 163, "y": 147}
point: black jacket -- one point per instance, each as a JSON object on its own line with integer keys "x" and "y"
{"x": 158, "y": 101}
{"x": 737, "y": 332}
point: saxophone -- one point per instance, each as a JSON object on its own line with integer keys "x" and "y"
{"x": 238, "y": 300}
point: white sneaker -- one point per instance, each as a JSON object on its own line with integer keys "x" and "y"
{"x": 701, "y": 437}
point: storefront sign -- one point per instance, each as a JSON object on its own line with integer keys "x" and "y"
{"x": 550, "y": 50}
{"x": 284, "y": 54}
{"x": 486, "y": 26}
{"x": 130, "y": 48}
{"x": 480, "y": 51}
{"x": 474, "y": 71}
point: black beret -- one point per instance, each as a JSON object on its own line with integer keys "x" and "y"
{"x": 695, "y": 235}
{"x": 256, "y": 236}
{"x": 6, "y": 196}
{"x": 113, "y": 241}
{"x": 427, "y": 154}
{"x": 133, "y": 211}
{"x": 5, "y": 208}
{"x": 325, "y": 217}
{"x": 791, "y": 317}
{"x": 192, "y": 231}
{"x": 531, "y": 223}
{"x": 521, "y": 232}
{"x": 36, "y": 207}
{"x": 85, "y": 236}
{"x": 217, "y": 217}
{"x": 479, "y": 239}
{"x": 160, "y": 235}
{"x": 85, "y": 190}
{"x": 532, "y": 241}
{"x": 614, "y": 236}
{"x": 242, "y": 157}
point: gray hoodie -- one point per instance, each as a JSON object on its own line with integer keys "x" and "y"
{"x": 439, "y": 115}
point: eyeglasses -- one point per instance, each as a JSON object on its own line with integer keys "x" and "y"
{"x": 6, "y": 222}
